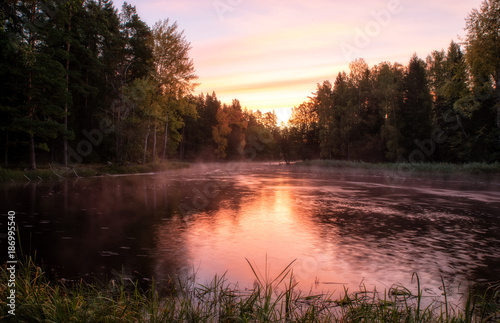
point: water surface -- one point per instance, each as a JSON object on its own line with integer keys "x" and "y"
{"x": 345, "y": 230}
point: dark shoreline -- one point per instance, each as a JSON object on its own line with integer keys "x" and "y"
{"x": 444, "y": 171}
{"x": 54, "y": 172}
{"x": 400, "y": 171}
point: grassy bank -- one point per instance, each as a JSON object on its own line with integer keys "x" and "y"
{"x": 55, "y": 172}
{"x": 39, "y": 300}
{"x": 408, "y": 168}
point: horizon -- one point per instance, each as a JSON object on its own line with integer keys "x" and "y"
{"x": 272, "y": 56}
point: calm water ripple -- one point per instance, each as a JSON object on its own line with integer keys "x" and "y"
{"x": 344, "y": 229}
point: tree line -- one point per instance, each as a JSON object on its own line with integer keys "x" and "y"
{"x": 443, "y": 109}
{"x": 84, "y": 82}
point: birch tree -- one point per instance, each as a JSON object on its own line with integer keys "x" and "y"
{"x": 175, "y": 73}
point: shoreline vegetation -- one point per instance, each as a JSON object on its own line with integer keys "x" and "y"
{"x": 408, "y": 169}
{"x": 273, "y": 300}
{"x": 140, "y": 103}
{"x": 52, "y": 172}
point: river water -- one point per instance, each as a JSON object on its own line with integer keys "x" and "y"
{"x": 343, "y": 229}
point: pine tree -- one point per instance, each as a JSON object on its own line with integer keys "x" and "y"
{"x": 417, "y": 110}
{"x": 39, "y": 110}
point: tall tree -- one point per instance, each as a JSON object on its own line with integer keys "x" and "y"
{"x": 261, "y": 135}
{"x": 229, "y": 134}
{"x": 483, "y": 44}
{"x": 483, "y": 53}
{"x": 388, "y": 90}
{"x": 417, "y": 108}
{"x": 198, "y": 141}
{"x": 453, "y": 104}
{"x": 138, "y": 50}
{"x": 135, "y": 100}
{"x": 365, "y": 142}
{"x": 304, "y": 129}
{"x": 12, "y": 76}
{"x": 323, "y": 101}
{"x": 174, "y": 71}
{"x": 41, "y": 107}
{"x": 142, "y": 95}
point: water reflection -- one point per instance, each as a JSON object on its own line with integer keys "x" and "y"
{"x": 343, "y": 229}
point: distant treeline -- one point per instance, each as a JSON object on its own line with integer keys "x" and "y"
{"x": 446, "y": 108}
{"x": 84, "y": 82}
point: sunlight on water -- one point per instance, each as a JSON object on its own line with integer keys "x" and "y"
{"x": 351, "y": 231}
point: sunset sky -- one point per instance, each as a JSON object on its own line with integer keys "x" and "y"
{"x": 271, "y": 54}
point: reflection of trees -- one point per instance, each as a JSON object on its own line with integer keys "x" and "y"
{"x": 171, "y": 254}
{"x": 92, "y": 226}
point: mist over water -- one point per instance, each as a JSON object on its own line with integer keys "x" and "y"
{"x": 345, "y": 229}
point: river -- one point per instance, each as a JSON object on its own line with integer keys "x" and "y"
{"x": 343, "y": 229}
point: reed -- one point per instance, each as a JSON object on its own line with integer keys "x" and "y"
{"x": 273, "y": 299}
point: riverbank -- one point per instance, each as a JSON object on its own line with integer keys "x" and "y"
{"x": 275, "y": 300}
{"x": 445, "y": 170}
{"x": 52, "y": 172}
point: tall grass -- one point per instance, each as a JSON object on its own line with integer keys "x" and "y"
{"x": 272, "y": 299}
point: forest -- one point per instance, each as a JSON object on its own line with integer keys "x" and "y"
{"x": 85, "y": 82}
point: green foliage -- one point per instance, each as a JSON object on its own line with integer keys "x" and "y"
{"x": 445, "y": 109}
{"x": 388, "y": 91}
{"x": 229, "y": 133}
{"x": 273, "y": 299}
{"x": 424, "y": 112}
{"x": 483, "y": 57}
{"x": 416, "y": 113}
{"x": 303, "y": 126}
{"x": 175, "y": 75}
{"x": 67, "y": 66}
{"x": 483, "y": 40}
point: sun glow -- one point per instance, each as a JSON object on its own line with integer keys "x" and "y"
{"x": 271, "y": 55}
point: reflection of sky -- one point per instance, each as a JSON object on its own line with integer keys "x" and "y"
{"x": 271, "y": 54}
{"x": 341, "y": 233}
{"x": 341, "y": 228}
{"x": 265, "y": 224}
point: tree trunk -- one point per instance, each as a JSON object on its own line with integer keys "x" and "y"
{"x": 164, "y": 156}
{"x": 6, "y": 149}
{"x": 32, "y": 136}
{"x": 32, "y": 152}
{"x": 396, "y": 131}
{"x": 154, "y": 144}
{"x": 498, "y": 98}
{"x": 65, "y": 137}
{"x": 146, "y": 145}
{"x": 181, "y": 148}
